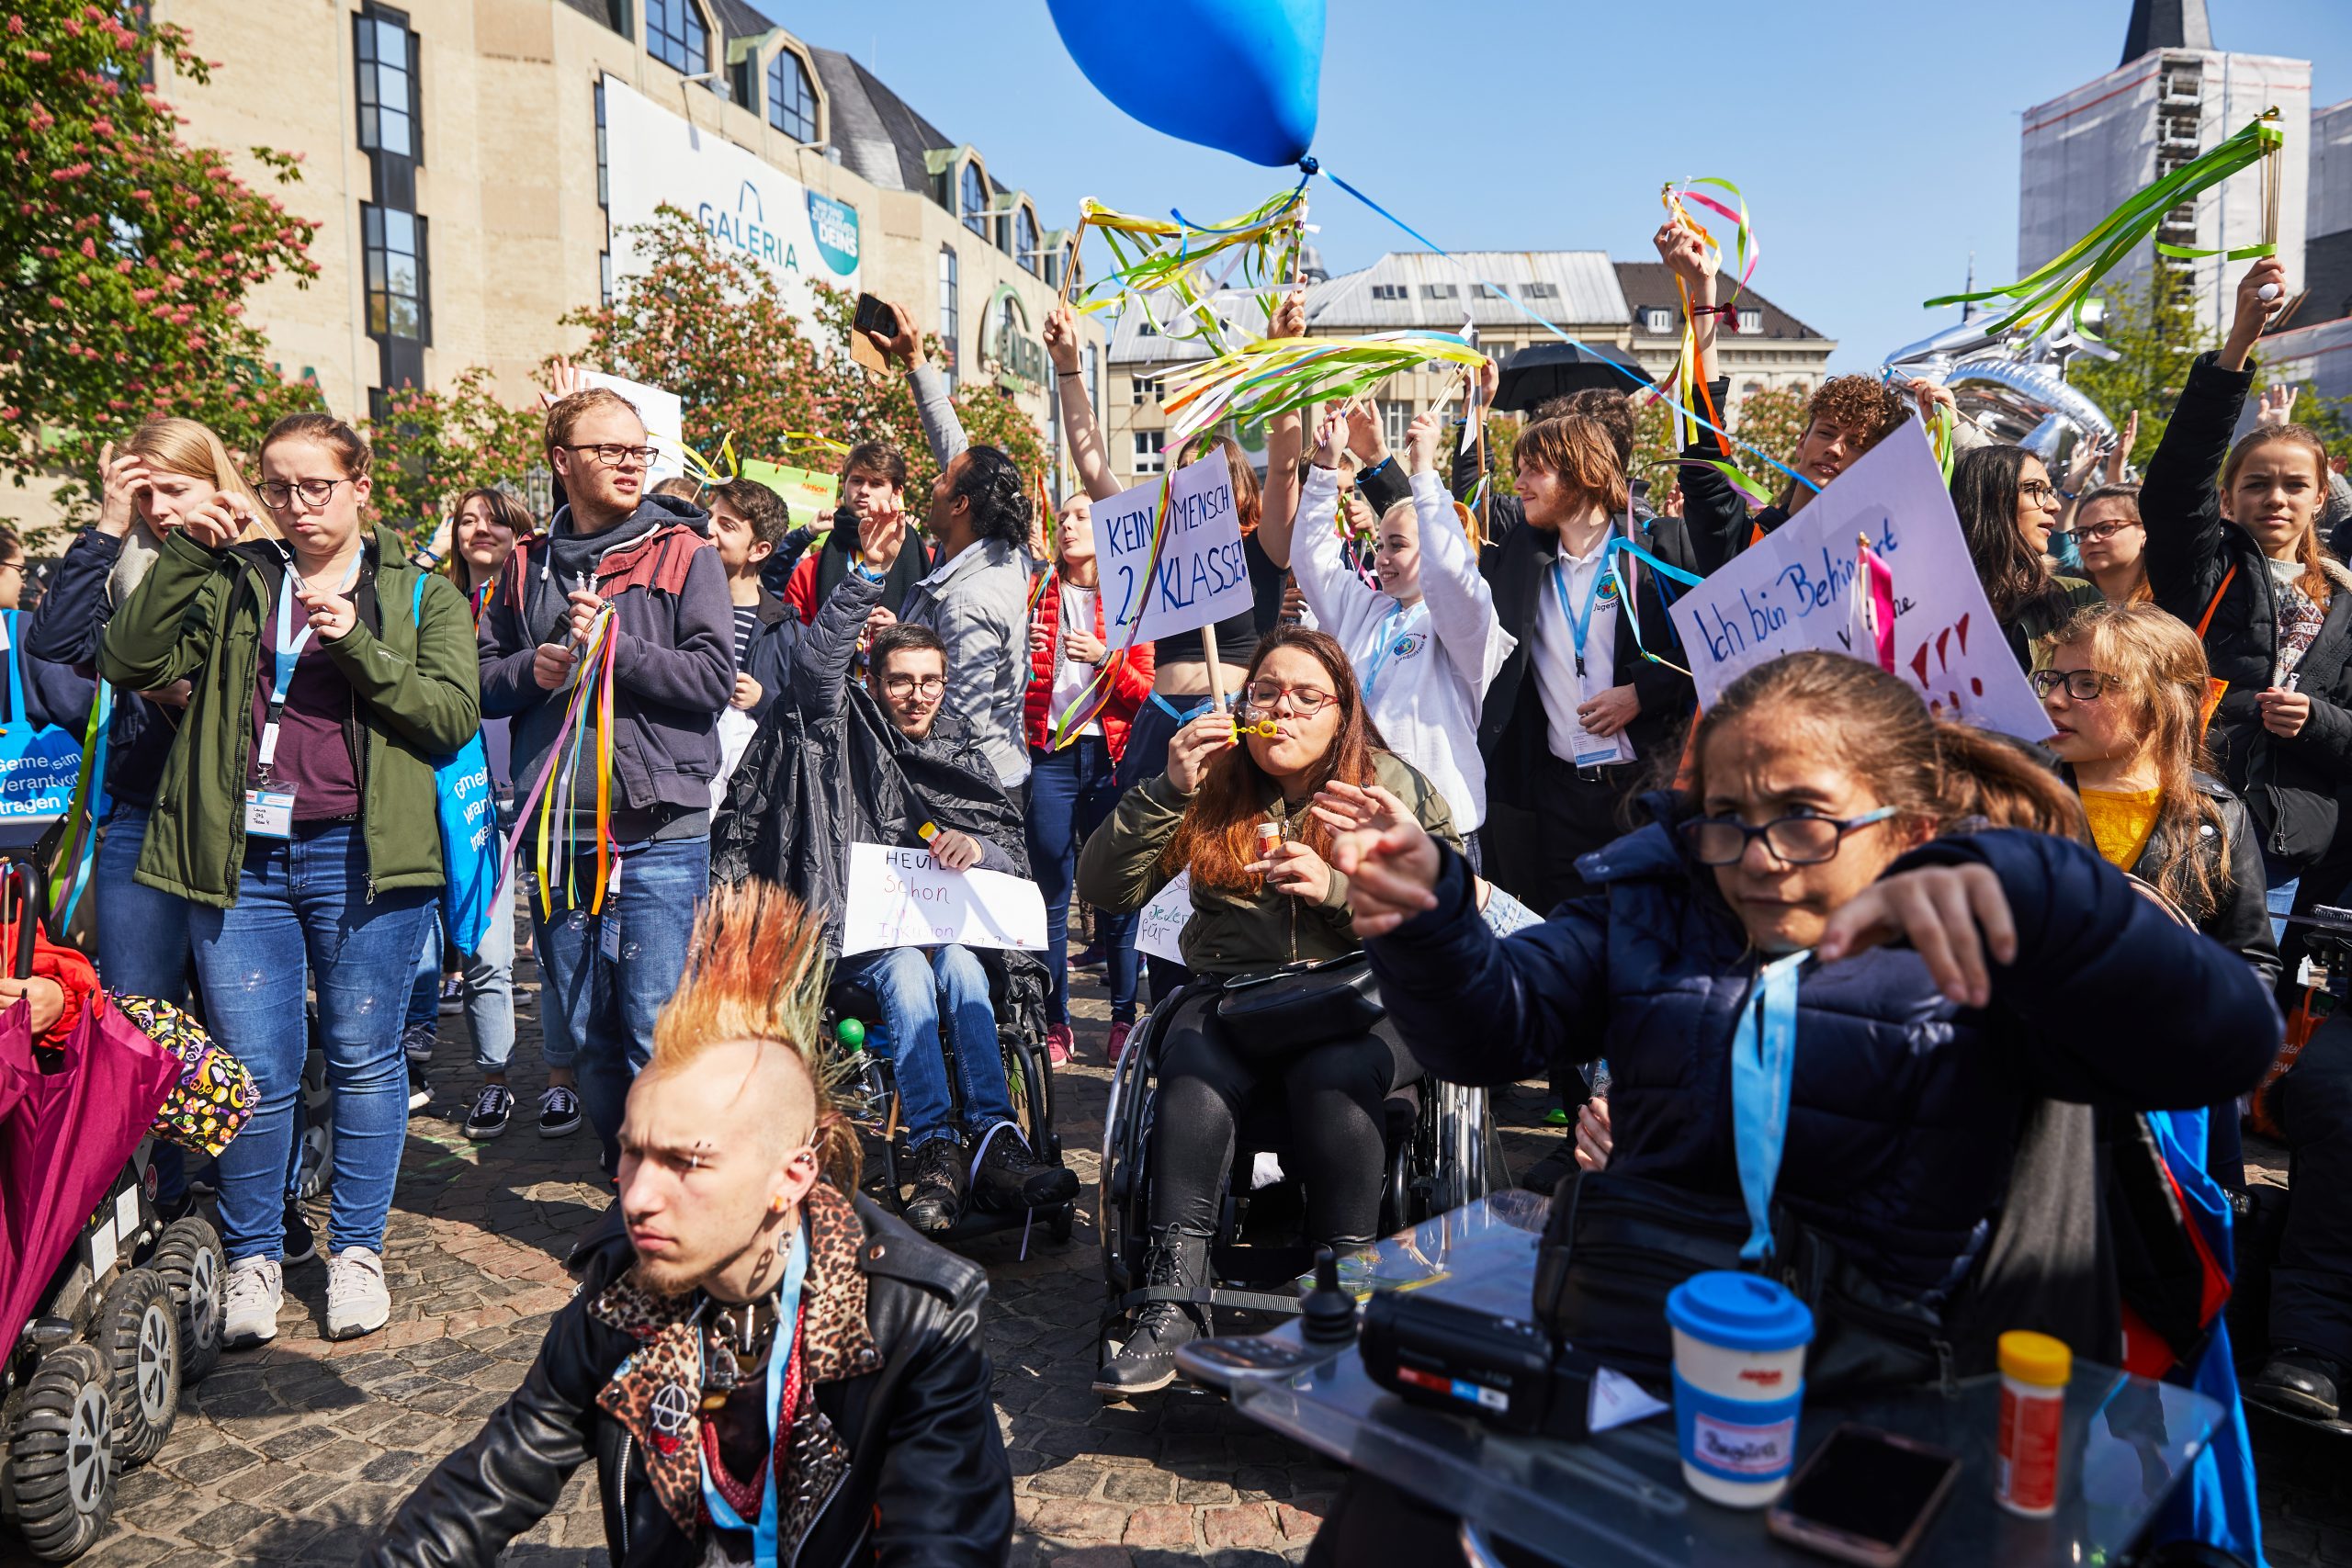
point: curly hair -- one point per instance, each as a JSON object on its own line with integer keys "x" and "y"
{"x": 1856, "y": 403}
{"x": 991, "y": 480}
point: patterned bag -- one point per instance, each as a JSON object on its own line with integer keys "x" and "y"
{"x": 214, "y": 1097}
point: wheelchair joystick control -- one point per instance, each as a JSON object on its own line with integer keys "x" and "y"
{"x": 1328, "y": 1314}
{"x": 851, "y": 1033}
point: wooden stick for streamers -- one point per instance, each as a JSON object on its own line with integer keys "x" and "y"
{"x": 1216, "y": 670}
{"x": 1069, "y": 273}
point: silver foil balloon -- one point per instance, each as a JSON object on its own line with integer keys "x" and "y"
{"x": 2013, "y": 392}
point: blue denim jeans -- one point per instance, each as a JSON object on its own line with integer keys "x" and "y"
{"x": 487, "y": 980}
{"x": 1071, "y": 794}
{"x": 604, "y": 977}
{"x": 303, "y": 909}
{"x": 916, "y": 985}
{"x": 142, "y": 931}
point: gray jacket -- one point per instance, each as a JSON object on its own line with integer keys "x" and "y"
{"x": 979, "y": 604}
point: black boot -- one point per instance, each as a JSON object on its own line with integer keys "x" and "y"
{"x": 2298, "y": 1381}
{"x": 1147, "y": 1360}
{"x": 1012, "y": 1179}
{"x": 938, "y": 1202}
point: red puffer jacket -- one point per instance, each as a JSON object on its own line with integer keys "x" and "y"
{"x": 1130, "y": 671}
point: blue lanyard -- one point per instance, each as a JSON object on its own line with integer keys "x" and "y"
{"x": 1763, "y": 1050}
{"x": 1392, "y": 634}
{"x": 1578, "y": 628}
{"x": 285, "y": 651}
{"x": 788, "y": 1327}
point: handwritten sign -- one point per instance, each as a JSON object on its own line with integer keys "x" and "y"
{"x": 1202, "y": 576}
{"x": 899, "y": 899}
{"x": 664, "y": 415}
{"x": 1790, "y": 592}
{"x": 1161, "y": 923}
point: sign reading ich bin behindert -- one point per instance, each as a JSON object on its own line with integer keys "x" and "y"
{"x": 1202, "y": 576}
{"x": 752, "y": 209}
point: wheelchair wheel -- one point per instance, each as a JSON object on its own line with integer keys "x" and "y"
{"x": 1120, "y": 1196}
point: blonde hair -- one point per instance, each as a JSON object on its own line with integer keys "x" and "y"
{"x": 755, "y": 971}
{"x": 2158, "y": 665}
{"x": 187, "y": 446}
{"x": 568, "y": 411}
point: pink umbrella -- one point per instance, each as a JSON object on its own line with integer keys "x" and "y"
{"x": 65, "y": 1138}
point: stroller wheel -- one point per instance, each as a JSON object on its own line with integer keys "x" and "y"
{"x": 138, "y": 1329}
{"x": 59, "y": 1471}
{"x": 189, "y": 1257}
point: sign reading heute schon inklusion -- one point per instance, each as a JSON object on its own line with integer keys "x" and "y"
{"x": 752, "y": 209}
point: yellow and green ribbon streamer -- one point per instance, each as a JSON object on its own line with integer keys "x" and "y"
{"x": 2062, "y": 287}
{"x": 1156, "y": 257}
{"x": 1274, "y": 376}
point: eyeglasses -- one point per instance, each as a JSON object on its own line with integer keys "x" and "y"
{"x": 908, "y": 685}
{"x": 2037, "y": 490}
{"x": 1304, "y": 701}
{"x": 613, "y": 454}
{"x": 2083, "y": 686}
{"x": 2099, "y": 533}
{"x": 280, "y": 494}
{"x": 1793, "y": 840}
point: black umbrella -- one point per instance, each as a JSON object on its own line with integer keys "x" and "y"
{"x": 1544, "y": 370}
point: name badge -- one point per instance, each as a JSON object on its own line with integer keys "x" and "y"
{"x": 270, "y": 813}
{"x": 609, "y": 938}
{"x": 1599, "y": 759}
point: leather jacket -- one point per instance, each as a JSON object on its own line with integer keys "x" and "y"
{"x": 926, "y": 1486}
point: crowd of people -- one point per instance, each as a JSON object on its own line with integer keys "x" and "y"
{"x": 1444, "y": 724}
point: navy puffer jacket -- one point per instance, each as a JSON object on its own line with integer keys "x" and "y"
{"x": 1905, "y": 1107}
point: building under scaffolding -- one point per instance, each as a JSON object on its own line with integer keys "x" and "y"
{"x": 2173, "y": 98}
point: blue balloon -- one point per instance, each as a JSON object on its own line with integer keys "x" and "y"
{"x": 1239, "y": 75}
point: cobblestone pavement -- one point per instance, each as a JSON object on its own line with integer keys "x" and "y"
{"x": 294, "y": 1452}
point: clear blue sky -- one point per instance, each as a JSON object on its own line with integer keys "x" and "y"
{"x": 1877, "y": 144}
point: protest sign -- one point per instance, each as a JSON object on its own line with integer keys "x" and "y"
{"x": 664, "y": 415}
{"x": 899, "y": 897}
{"x": 1162, "y": 920}
{"x": 1201, "y": 577}
{"x": 1790, "y": 592}
{"x": 813, "y": 497}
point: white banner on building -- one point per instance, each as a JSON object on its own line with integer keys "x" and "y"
{"x": 898, "y": 897}
{"x": 750, "y": 208}
{"x": 1790, "y": 590}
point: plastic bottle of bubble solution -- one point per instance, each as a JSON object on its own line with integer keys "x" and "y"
{"x": 2034, "y": 1372}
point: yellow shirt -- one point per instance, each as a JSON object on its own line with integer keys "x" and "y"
{"x": 2120, "y": 822}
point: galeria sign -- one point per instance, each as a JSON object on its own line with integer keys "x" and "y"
{"x": 900, "y": 898}
{"x": 1793, "y": 591}
{"x": 1201, "y": 578}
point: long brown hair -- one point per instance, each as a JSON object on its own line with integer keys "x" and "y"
{"x": 1249, "y": 498}
{"x": 1935, "y": 772}
{"x": 1218, "y": 834}
{"x": 504, "y": 509}
{"x": 2160, "y": 666}
{"x": 2308, "y": 550}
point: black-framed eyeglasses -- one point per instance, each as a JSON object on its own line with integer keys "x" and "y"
{"x": 2083, "y": 686}
{"x": 2099, "y": 533}
{"x": 908, "y": 685}
{"x": 280, "y": 493}
{"x": 1793, "y": 840}
{"x": 2037, "y": 490}
{"x": 613, "y": 454}
{"x": 1304, "y": 701}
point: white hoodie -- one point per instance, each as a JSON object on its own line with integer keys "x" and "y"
{"x": 1426, "y": 667}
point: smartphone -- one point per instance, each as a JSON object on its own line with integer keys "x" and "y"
{"x": 1864, "y": 1496}
{"x": 874, "y": 316}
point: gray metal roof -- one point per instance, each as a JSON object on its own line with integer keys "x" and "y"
{"x": 1651, "y": 284}
{"x": 1438, "y": 292}
{"x": 1132, "y": 342}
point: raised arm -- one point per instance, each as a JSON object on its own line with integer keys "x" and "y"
{"x": 1693, "y": 264}
{"x": 941, "y": 428}
{"x": 822, "y": 660}
{"x": 2180, "y": 501}
{"x": 1462, "y": 606}
{"x": 165, "y": 629}
{"x": 1338, "y": 598}
{"x": 1086, "y": 448}
{"x": 1278, "y": 508}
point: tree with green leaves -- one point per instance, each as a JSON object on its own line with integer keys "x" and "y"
{"x": 433, "y": 446}
{"x": 129, "y": 253}
{"x": 697, "y": 320}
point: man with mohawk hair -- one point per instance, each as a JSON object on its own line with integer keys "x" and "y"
{"x": 766, "y": 1368}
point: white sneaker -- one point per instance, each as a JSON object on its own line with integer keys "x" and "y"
{"x": 256, "y": 1290}
{"x": 357, "y": 1301}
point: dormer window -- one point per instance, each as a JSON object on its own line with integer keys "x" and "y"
{"x": 1388, "y": 291}
{"x": 792, "y": 96}
{"x": 976, "y": 198}
{"x": 1657, "y": 319}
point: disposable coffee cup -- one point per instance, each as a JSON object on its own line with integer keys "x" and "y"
{"x": 1739, "y": 1344}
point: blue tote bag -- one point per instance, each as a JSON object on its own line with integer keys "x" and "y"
{"x": 38, "y": 762}
{"x": 468, "y": 815}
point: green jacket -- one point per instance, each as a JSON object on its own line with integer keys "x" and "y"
{"x": 205, "y": 616}
{"x": 1235, "y": 933}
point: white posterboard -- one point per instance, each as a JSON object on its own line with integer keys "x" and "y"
{"x": 1790, "y": 592}
{"x": 1202, "y": 576}
{"x": 1162, "y": 920}
{"x": 899, "y": 898}
{"x": 664, "y": 415}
